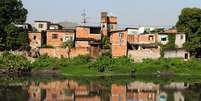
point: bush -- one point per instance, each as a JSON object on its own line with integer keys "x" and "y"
{"x": 81, "y": 59}
{"x": 105, "y": 42}
{"x": 11, "y": 61}
{"x": 106, "y": 63}
{"x": 45, "y": 62}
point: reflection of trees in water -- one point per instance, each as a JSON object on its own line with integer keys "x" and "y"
{"x": 191, "y": 96}
{"x": 15, "y": 93}
{"x": 194, "y": 92}
{"x": 170, "y": 96}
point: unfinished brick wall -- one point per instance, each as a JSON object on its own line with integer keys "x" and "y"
{"x": 119, "y": 43}
{"x": 143, "y": 39}
{"x": 35, "y": 40}
{"x": 84, "y": 32}
{"x": 64, "y": 52}
{"x": 88, "y": 98}
{"x": 171, "y": 31}
{"x": 82, "y": 44}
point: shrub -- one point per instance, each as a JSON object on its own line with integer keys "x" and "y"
{"x": 106, "y": 63}
{"x": 45, "y": 62}
{"x": 105, "y": 42}
{"x": 68, "y": 44}
{"x": 11, "y": 61}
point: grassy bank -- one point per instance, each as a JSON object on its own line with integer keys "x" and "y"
{"x": 176, "y": 66}
{"x": 84, "y": 65}
{"x": 103, "y": 65}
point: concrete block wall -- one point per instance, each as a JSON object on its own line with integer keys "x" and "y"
{"x": 139, "y": 55}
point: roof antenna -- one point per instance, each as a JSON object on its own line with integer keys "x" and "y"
{"x": 84, "y": 17}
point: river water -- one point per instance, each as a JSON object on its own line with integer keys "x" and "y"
{"x": 140, "y": 88}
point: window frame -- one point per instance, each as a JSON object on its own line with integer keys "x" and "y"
{"x": 55, "y": 36}
{"x": 181, "y": 37}
{"x": 40, "y": 25}
{"x": 151, "y": 38}
{"x": 162, "y": 39}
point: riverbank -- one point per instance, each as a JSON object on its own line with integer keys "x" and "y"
{"x": 101, "y": 66}
{"x": 124, "y": 67}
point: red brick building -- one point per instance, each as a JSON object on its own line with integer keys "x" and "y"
{"x": 88, "y": 36}
{"x": 56, "y": 38}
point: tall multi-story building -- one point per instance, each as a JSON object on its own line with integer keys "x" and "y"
{"x": 108, "y": 23}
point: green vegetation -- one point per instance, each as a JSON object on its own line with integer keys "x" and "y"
{"x": 169, "y": 45}
{"x": 12, "y": 37}
{"x": 175, "y": 66}
{"x": 84, "y": 65}
{"x": 105, "y": 42}
{"x": 189, "y": 23}
{"x": 106, "y": 63}
{"x": 10, "y": 61}
{"x": 69, "y": 45}
{"x": 103, "y": 65}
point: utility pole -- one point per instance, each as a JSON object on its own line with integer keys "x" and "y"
{"x": 84, "y": 17}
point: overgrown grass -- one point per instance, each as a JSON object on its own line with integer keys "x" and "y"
{"x": 84, "y": 65}
{"x": 178, "y": 66}
{"x": 46, "y": 62}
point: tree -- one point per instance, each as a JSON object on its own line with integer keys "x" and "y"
{"x": 190, "y": 23}
{"x": 68, "y": 44}
{"x": 105, "y": 42}
{"x": 12, "y": 13}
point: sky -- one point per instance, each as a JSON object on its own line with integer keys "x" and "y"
{"x": 129, "y": 12}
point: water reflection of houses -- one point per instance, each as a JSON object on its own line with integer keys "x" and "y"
{"x": 135, "y": 91}
{"x": 61, "y": 91}
{"x": 118, "y": 92}
{"x": 173, "y": 91}
{"x": 177, "y": 86}
{"x": 69, "y": 90}
{"x": 140, "y": 91}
